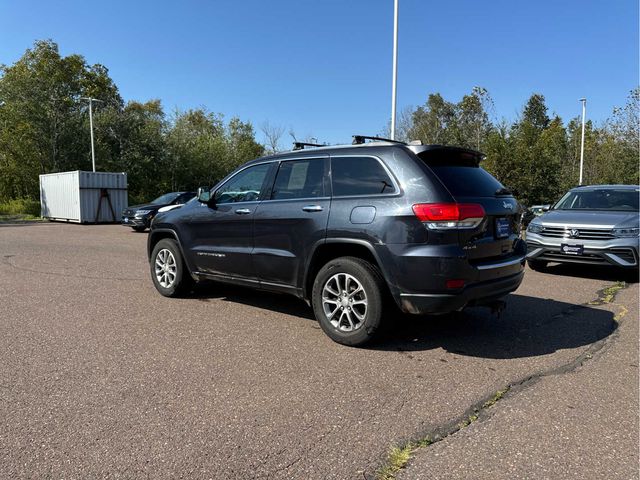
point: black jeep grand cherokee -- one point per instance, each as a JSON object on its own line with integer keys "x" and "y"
{"x": 343, "y": 226}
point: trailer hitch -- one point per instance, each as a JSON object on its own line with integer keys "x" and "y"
{"x": 497, "y": 307}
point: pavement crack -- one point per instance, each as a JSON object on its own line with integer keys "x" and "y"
{"x": 400, "y": 455}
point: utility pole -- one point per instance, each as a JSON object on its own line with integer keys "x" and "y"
{"x": 584, "y": 112}
{"x": 93, "y": 152}
{"x": 395, "y": 70}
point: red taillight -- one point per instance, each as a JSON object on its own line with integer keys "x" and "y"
{"x": 455, "y": 283}
{"x": 436, "y": 212}
{"x": 448, "y": 212}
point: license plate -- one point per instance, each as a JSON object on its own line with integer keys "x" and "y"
{"x": 126, "y": 219}
{"x": 502, "y": 227}
{"x": 571, "y": 249}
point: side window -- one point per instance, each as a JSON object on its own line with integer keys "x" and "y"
{"x": 244, "y": 186}
{"x": 299, "y": 179}
{"x": 359, "y": 176}
{"x": 184, "y": 198}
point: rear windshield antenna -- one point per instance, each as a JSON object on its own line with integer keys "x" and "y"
{"x": 359, "y": 139}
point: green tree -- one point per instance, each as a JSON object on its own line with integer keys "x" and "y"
{"x": 464, "y": 124}
{"x": 241, "y": 144}
{"x": 528, "y": 156}
{"x": 201, "y": 149}
{"x": 42, "y": 117}
{"x": 433, "y": 122}
{"x": 620, "y": 142}
{"x": 44, "y": 127}
{"x": 196, "y": 148}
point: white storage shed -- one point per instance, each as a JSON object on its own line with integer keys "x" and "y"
{"x": 83, "y": 197}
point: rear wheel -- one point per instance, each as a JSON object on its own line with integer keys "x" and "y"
{"x": 168, "y": 271}
{"x": 538, "y": 265}
{"x": 347, "y": 300}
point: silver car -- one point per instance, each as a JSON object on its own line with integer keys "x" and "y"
{"x": 596, "y": 225}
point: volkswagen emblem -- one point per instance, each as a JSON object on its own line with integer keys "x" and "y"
{"x": 507, "y": 205}
{"x": 574, "y": 233}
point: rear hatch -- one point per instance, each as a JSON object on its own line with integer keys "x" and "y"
{"x": 460, "y": 172}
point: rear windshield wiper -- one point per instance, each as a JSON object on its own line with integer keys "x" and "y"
{"x": 503, "y": 191}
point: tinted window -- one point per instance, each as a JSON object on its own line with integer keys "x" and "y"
{"x": 244, "y": 186}
{"x": 165, "y": 199}
{"x": 605, "y": 199}
{"x": 359, "y": 176}
{"x": 184, "y": 198}
{"x": 467, "y": 181}
{"x": 299, "y": 179}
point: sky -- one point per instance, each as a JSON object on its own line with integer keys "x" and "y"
{"x": 323, "y": 68}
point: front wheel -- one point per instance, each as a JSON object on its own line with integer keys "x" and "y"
{"x": 139, "y": 229}
{"x": 347, "y": 300}
{"x": 168, "y": 271}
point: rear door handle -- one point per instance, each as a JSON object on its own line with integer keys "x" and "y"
{"x": 243, "y": 211}
{"x": 312, "y": 208}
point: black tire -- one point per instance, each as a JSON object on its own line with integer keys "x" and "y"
{"x": 537, "y": 265}
{"x": 182, "y": 281}
{"x": 139, "y": 229}
{"x": 369, "y": 278}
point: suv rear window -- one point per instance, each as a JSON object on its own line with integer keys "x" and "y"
{"x": 359, "y": 176}
{"x": 460, "y": 173}
{"x": 465, "y": 181}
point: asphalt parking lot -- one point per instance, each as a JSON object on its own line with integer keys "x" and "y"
{"x": 102, "y": 377}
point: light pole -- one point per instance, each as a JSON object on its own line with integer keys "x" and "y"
{"x": 395, "y": 70}
{"x": 93, "y": 152}
{"x": 584, "y": 112}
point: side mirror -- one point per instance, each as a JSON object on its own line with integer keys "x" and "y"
{"x": 546, "y": 208}
{"x": 204, "y": 195}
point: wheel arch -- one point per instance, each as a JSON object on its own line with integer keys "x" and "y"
{"x": 161, "y": 233}
{"x": 341, "y": 247}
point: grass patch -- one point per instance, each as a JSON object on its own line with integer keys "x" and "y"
{"x": 493, "y": 400}
{"x": 608, "y": 294}
{"x": 20, "y": 206}
{"x": 399, "y": 457}
{"x": 19, "y": 218}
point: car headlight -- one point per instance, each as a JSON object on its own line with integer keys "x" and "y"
{"x": 140, "y": 213}
{"x": 626, "y": 232}
{"x": 535, "y": 228}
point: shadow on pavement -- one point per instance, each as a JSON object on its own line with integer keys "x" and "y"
{"x": 281, "y": 303}
{"x": 529, "y": 326}
{"x": 595, "y": 272}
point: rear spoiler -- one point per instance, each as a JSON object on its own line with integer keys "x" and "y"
{"x": 446, "y": 155}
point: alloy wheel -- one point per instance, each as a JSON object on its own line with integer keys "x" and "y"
{"x": 344, "y": 302}
{"x": 165, "y": 268}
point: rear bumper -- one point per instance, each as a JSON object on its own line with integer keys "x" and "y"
{"x": 478, "y": 294}
{"x": 418, "y": 275}
{"x": 620, "y": 252}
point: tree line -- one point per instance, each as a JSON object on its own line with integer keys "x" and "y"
{"x": 537, "y": 156}
{"x": 44, "y": 127}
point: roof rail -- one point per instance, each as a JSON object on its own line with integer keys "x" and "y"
{"x": 359, "y": 139}
{"x": 302, "y": 145}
